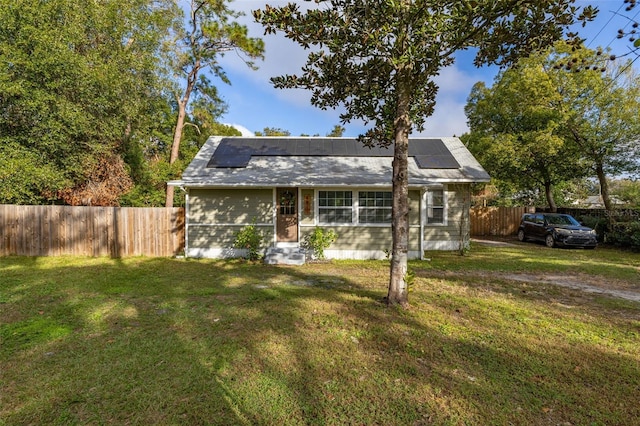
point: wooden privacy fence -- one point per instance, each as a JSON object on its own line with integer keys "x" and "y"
{"x": 496, "y": 221}
{"x": 154, "y": 232}
{"x": 90, "y": 231}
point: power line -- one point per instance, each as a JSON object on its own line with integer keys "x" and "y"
{"x": 613, "y": 14}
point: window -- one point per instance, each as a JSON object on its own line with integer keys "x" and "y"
{"x": 347, "y": 208}
{"x": 374, "y": 207}
{"x": 435, "y": 206}
{"x": 287, "y": 203}
{"x": 335, "y": 206}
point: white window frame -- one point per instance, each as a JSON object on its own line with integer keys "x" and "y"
{"x": 355, "y": 207}
{"x": 384, "y": 208}
{"x": 429, "y": 205}
{"x": 351, "y": 207}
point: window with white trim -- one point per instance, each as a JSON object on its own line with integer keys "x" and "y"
{"x": 435, "y": 207}
{"x": 374, "y": 206}
{"x": 335, "y": 206}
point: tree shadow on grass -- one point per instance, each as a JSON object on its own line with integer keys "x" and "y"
{"x": 201, "y": 342}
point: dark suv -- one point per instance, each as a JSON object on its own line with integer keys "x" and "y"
{"x": 556, "y": 230}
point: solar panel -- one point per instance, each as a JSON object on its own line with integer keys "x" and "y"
{"x": 436, "y": 162}
{"x": 237, "y": 152}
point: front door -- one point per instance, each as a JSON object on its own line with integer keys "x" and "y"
{"x": 287, "y": 215}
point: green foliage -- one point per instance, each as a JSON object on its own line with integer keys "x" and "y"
{"x": 155, "y": 170}
{"x": 249, "y": 238}
{"x": 369, "y": 54}
{"x": 515, "y": 130}
{"x": 85, "y": 83}
{"x": 336, "y": 132}
{"x": 318, "y": 241}
{"x": 624, "y": 234}
{"x": 627, "y": 191}
{"x": 24, "y": 176}
{"x": 541, "y": 125}
{"x": 598, "y": 223}
{"x": 273, "y": 131}
{"x": 410, "y": 280}
{"x": 79, "y": 81}
{"x": 209, "y": 32}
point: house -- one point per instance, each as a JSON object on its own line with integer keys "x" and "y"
{"x": 286, "y": 186}
{"x": 596, "y": 202}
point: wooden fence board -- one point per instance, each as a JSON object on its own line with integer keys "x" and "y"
{"x": 90, "y": 231}
{"x": 496, "y": 221}
{"x": 126, "y": 231}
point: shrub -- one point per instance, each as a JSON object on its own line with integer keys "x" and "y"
{"x": 625, "y": 234}
{"x": 599, "y": 224}
{"x": 318, "y": 241}
{"x": 250, "y": 239}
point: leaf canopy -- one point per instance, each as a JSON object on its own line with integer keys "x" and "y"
{"x": 365, "y": 51}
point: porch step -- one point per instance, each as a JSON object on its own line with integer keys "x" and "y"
{"x": 285, "y": 256}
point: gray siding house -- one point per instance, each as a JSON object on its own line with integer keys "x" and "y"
{"x": 288, "y": 186}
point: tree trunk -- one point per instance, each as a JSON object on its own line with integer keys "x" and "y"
{"x": 548, "y": 192}
{"x": 175, "y": 145}
{"x": 604, "y": 187}
{"x": 398, "y": 291}
{"x": 192, "y": 78}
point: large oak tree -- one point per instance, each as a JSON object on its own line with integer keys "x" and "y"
{"x": 516, "y": 128}
{"x": 378, "y": 60}
{"x": 78, "y": 82}
{"x": 560, "y": 114}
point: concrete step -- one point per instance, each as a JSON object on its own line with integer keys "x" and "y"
{"x": 285, "y": 256}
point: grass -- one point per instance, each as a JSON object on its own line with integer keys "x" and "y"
{"x": 170, "y": 341}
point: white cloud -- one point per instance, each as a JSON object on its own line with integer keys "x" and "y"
{"x": 448, "y": 120}
{"x": 283, "y": 56}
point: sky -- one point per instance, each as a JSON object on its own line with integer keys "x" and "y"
{"x": 253, "y": 103}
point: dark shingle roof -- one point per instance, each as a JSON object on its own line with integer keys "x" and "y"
{"x": 234, "y": 162}
{"x": 237, "y": 152}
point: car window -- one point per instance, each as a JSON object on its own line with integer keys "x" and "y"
{"x": 539, "y": 219}
{"x": 561, "y": 220}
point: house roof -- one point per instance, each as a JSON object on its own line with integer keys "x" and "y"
{"x": 308, "y": 161}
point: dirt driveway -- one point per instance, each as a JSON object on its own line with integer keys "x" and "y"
{"x": 583, "y": 282}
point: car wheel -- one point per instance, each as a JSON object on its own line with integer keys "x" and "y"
{"x": 549, "y": 241}
{"x": 521, "y": 236}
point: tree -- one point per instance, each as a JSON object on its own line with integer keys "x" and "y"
{"x": 627, "y": 190}
{"x": 337, "y": 131}
{"x": 603, "y": 122}
{"x": 379, "y": 60}
{"x": 273, "y": 131}
{"x": 584, "y": 104}
{"x": 515, "y": 129}
{"x": 209, "y": 34}
{"x": 154, "y": 172}
{"x": 77, "y": 83}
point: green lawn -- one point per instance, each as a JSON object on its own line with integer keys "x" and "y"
{"x": 171, "y": 341}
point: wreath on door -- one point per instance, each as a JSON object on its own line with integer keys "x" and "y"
{"x": 288, "y": 199}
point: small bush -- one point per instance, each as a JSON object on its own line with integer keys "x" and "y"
{"x": 599, "y": 224}
{"x": 625, "y": 234}
{"x": 318, "y": 241}
{"x": 250, "y": 239}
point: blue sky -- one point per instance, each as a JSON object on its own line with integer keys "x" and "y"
{"x": 254, "y": 104}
